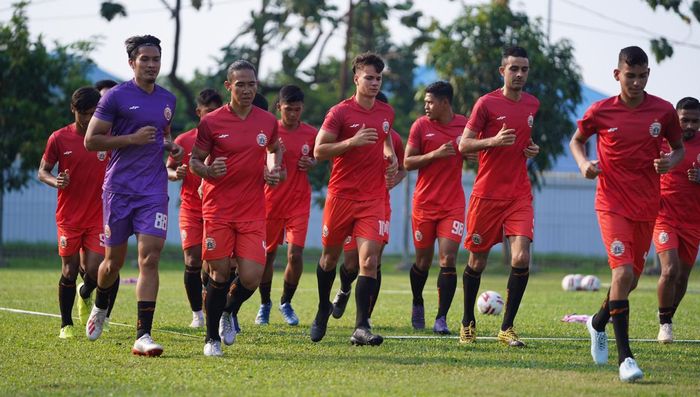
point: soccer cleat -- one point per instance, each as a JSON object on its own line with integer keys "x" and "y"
{"x": 510, "y": 338}
{"x": 440, "y": 326}
{"x": 67, "y": 332}
{"x": 213, "y": 348}
{"x": 629, "y": 371}
{"x": 365, "y": 337}
{"x": 94, "y": 324}
{"x": 319, "y": 325}
{"x": 418, "y": 317}
{"x": 263, "y": 317}
{"x": 599, "y": 343}
{"x": 467, "y": 334}
{"x": 105, "y": 326}
{"x": 340, "y": 302}
{"x": 227, "y": 332}
{"x": 145, "y": 346}
{"x": 84, "y": 306}
{"x": 288, "y": 313}
{"x": 665, "y": 333}
{"x": 235, "y": 324}
{"x": 197, "y": 319}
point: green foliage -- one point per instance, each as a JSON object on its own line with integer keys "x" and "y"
{"x": 660, "y": 47}
{"x": 110, "y": 10}
{"x": 468, "y": 54}
{"x": 35, "y": 89}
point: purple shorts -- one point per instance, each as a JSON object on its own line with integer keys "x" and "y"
{"x": 126, "y": 214}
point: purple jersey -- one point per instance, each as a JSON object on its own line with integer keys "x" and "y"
{"x": 136, "y": 169}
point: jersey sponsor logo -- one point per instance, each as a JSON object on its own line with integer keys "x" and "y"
{"x": 305, "y": 149}
{"x": 385, "y": 126}
{"x": 613, "y": 129}
{"x": 428, "y": 135}
{"x": 476, "y": 239}
{"x": 530, "y": 120}
{"x": 101, "y": 156}
{"x": 418, "y": 235}
{"x": 222, "y": 136}
{"x": 67, "y": 152}
{"x": 108, "y": 231}
{"x": 167, "y": 112}
{"x": 617, "y": 248}
{"x": 324, "y": 231}
{"x": 354, "y": 125}
{"x": 261, "y": 139}
{"x": 499, "y": 118}
{"x": 663, "y": 237}
{"x": 655, "y": 129}
{"x": 134, "y": 107}
{"x": 210, "y": 243}
{"x": 183, "y": 234}
{"x": 63, "y": 241}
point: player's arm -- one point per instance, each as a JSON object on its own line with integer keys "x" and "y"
{"x": 327, "y": 145}
{"x": 171, "y": 147}
{"x": 59, "y": 182}
{"x": 666, "y": 161}
{"x": 400, "y": 174}
{"x": 176, "y": 170}
{"x": 216, "y": 169}
{"x": 98, "y": 136}
{"x": 588, "y": 168}
{"x": 470, "y": 143}
{"x": 275, "y": 175}
{"x": 390, "y": 154}
{"x": 415, "y": 159}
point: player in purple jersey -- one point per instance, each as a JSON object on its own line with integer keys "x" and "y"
{"x": 133, "y": 121}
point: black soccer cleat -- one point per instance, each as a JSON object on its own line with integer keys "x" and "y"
{"x": 365, "y": 337}
{"x": 320, "y": 323}
{"x": 340, "y": 303}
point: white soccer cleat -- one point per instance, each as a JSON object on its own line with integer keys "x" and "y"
{"x": 213, "y": 348}
{"x": 95, "y": 323}
{"x": 665, "y": 333}
{"x": 629, "y": 371}
{"x": 197, "y": 320}
{"x": 145, "y": 346}
{"x": 226, "y": 330}
{"x": 599, "y": 343}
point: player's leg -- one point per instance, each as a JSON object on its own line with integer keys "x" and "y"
{"x": 446, "y": 282}
{"x": 263, "y": 316}
{"x": 670, "y": 272}
{"x": 219, "y": 270}
{"x": 424, "y": 234}
{"x": 471, "y": 280}
{"x": 349, "y": 270}
{"x": 66, "y": 293}
{"x": 365, "y": 291}
{"x": 91, "y": 257}
{"x": 517, "y": 282}
{"x": 689, "y": 241}
{"x": 379, "y": 282}
{"x": 149, "y": 249}
{"x": 107, "y": 276}
{"x": 193, "y": 282}
{"x": 292, "y": 275}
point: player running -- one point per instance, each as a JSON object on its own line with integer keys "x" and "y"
{"x": 133, "y": 121}
{"x": 438, "y": 200}
{"x": 500, "y": 129}
{"x": 191, "y": 221}
{"x": 677, "y": 229}
{"x": 630, "y": 128}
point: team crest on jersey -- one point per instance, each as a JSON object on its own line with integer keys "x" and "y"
{"x": 419, "y": 235}
{"x": 108, "y": 231}
{"x": 655, "y": 129}
{"x": 63, "y": 241}
{"x": 617, "y": 248}
{"x": 476, "y": 239}
{"x": 663, "y": 237}
{"x": 324, "y": 231}
{"x": 210, "y": 243}
{"x": 305, "y": 149}
{"x": 457, "y": 140}
{"x": 183, "y": 234}
{"x": 101, "y": 156}
{"x": 530, "y": 120}
{"x": 697, "y": 159}
{"x": 348, "y": 240}
{"x": 385, "y": 127}
{"x": 261, "y": 139}
{"x": 168, "y": 113}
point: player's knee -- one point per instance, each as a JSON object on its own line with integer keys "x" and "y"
{"x": 295, "y": 258}
{"x": 477, "y": 263}
{"x": 328, "y": 262}
{"x": 193, "y": 262}
{"x": 669, "y": 272}
{"x": 520, "y": 259}
{"x": 448, "y": 260}
{"x": 70, "y": 272}
{"x": 369, "y": 264}
{"x": 149, "y": 260}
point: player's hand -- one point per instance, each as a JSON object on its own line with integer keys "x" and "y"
{"x": 305, "y": 162}
{"x": 143, "y": 136}
{"x": 217, "y": 168}
{"x": 272, "y": 177}
{"x": 662, "y": 164}
{"x": 590, "y": 169}
{"x": 447, "y": 149}
{"x": 365, "y": 136}
{"x": 531, "y": 150}
{"x": 176, "y": 151}
{"x": 181, "y": 172}
{"x": 694, "y": 174}
{"x": 472, "y": 157}
{"x": 505, "y": 137}
{"x": 200, "y": 192}
{"x": 393, "y": 168}
{"x": 63, "y": 179}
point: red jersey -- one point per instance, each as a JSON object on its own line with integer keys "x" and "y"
{"x": 502, "y": 171}
{"x": 680, "y": 198}
{"x": 189, "y": 197}
{"x": 628, "y": 142}
{"x": 399, "y": 149}
{"x": 359, "y": 173}
{"x": 238, "y": 195}
{"x": 80, "y": 203}
{"x": 439, "y": 184}
{"x": 293, "y": 196}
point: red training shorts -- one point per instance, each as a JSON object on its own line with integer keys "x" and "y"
{"x": 685, "y": 240}
{"x": 431, "y": 224}
{"x": 71, "y": 240}
{"x": 626, "y": 241}
{"x": 191, "y": 228}
{"x": 488, "y": 220}
{"x": 342, "y": 218}
{"x": 234, "y": 239}
{"x": 293, "y": 229}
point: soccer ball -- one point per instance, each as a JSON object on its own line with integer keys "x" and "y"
{"x": 590, "y": 283}
{"x": 490, "y": 302}
{"x": 571, "y": 282}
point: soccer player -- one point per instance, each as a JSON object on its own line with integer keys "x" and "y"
{"x": 438, "y": 200}
{"x": 630, "y": 128}
{"x": 236, "y": 137}
{"x": 105, "y": 85}
{"x": 354, "y": 134}
{"x": 79, "y": 208}
{"x": 288, "y": 205}
{"x": 191, "y": 221}
{"x": 133, "y": 121}
{"x": 677, "y": 228}
{"x": 500, "y": 129}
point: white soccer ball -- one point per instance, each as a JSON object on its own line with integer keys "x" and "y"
{"x": 570, "y": 282}
{"x": 577, "y": 281}
{"x": 490, "y": 302}
{"x": 590, "y": 283}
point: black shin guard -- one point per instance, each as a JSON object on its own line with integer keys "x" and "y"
{"x": 193, "y": 287}
{"x": 113, "y": 291}
{"x": 346, "y": 278}
{"x": 66, "y": 298}
{"x": 237, "y": 294}
{"x": 325, "y": 281}
{"x": 418, "y": 279}
{"x": 517, "y": 281}
{"x": 216, "y": 300}
{"x": 144, "y": 321}
{"x": 364, "y": 295}
{"x": 265, "y": 289}
{"x": 287, "y": 292}
{"x": 620, "y": 312}
{"x": 446, "y": 286}
{"x": 471, "y": 280}
{"x": 600, "y": 319}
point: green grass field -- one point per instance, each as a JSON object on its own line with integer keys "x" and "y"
{"x": 281, "y": 360}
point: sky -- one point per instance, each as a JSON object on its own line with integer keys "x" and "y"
{"x": 598, "y": 29}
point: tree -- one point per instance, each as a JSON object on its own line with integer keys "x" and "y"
{"x": 661, "y": 47}
{"x": 468, "y": 53}
{"x": 35, "y": 91}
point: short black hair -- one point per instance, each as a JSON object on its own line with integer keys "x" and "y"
{"x": 633, "y": 56}
{"x": 513, "y": 51}
{"x": 261, "y": 102}
{"x": 133, "y": 44}
{"x": 209, "y": 96}
{"x": 688, "y": 103}
{"x": 102, "y": 84}
{"x": 381, "y": 97}
{"x": 240, "y": 64}
{"x": 441, "y": 90}
{"x": 84, "y": 99}
{"x": 290, "y": 93}
{"x": 366, "y": 59}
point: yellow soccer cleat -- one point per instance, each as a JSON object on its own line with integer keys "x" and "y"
{"x": 84, "y": 306}
{"x": 67, "y": 332}
{"x": 510, "y": 338}
{"x": 467, "y": 334}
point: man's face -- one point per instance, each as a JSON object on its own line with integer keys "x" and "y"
{"x": 202, "y": 110}
{"x": 243, "y": 86}
{"x": 82, "y": 119}
{"x": 146, "y": 64}
{"x": 434, "y": 107}
{"x": 690, "y": 122}
{"x": 291, "y": 112}
{"x": 514, "y": 71}
{"x": 368, "y": 80}
{"x": 633, "y": 79}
